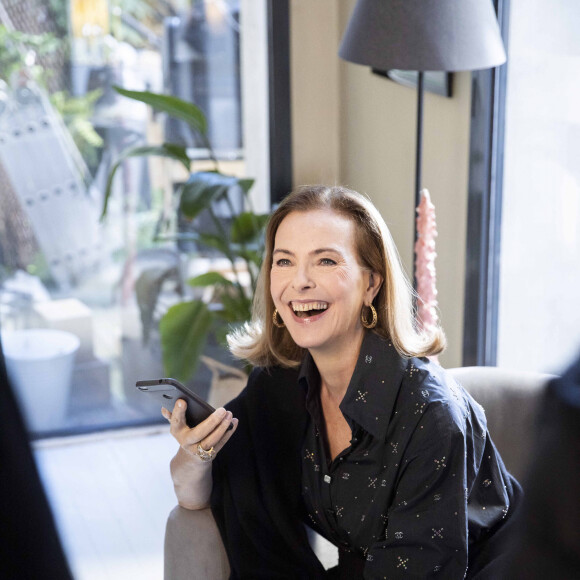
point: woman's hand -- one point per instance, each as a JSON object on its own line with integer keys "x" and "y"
{"x": 211, "y": 434}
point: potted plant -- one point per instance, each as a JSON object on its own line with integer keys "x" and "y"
{"x": 185, "y": 327}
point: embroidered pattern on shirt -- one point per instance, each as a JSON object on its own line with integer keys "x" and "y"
{"x": 309, "y": 455}
{"x": 362, "y": 396}
{"x": 440, "y": 463}
{"x": 368, "y": 359}
{"x": 394, "y": 446}
{"x": 402, "y": 562}
{"x": 437, "y": 533}
{"x": 454, "y": 391}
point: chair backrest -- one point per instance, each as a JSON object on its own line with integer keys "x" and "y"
{"x": 510, "y": 399}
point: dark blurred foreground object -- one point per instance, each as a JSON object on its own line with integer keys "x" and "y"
{"x": 29, "y": 543}
{"x": 548, "y": 543}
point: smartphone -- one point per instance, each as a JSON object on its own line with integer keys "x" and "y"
{"x": 168, "y": 391}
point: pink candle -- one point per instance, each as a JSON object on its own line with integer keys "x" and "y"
{"x": 425, "y": 263}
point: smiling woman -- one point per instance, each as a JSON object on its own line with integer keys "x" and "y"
{"x": 345, "y": 425}
{"x": 355, "y": 227}
{"x": 317, "y": 284}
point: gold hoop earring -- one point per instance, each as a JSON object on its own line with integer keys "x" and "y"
{"x": 275, "y": 320}
{"x": 373, "y": 322}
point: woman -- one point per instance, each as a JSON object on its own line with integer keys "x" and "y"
{"x": 345, "y": 424}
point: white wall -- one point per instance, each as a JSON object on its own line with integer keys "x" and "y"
{"x": 358, "y": 129}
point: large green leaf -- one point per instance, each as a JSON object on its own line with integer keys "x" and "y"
{"x": 209, "y": 279}
{"x": 171, "y": 105}
{"x": 252, "y": 256}
{"x": 147, "y": 289}
{"x": 235, "y": 308}
{"x": 169, "y": 150}
{"x": 216, "y": 242}
{"x": 246, "y": 185}
{"x": 247, "y": 227}
{"x": 184, "y": 330}
{"x": 202, "y": 189}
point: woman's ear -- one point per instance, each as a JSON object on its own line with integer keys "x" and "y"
{"x": 375, "y": 283}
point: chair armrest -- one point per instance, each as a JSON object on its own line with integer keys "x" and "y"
{"x": 510, "y": 399}
{"x": 193, "y": 547}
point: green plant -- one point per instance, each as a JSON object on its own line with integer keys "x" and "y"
{"x": 76, "y": 113}
{"x": 18, "y": 51}
{"x": 184, "y": 328}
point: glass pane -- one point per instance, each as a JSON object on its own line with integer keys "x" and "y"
{"x": 80, "y": 298}
{"x": 540, "y": 252}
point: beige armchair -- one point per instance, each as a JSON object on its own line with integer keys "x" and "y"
{"x": 193, "y": 546}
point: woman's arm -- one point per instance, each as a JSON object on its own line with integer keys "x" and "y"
{"x": 427, "y": 523}
{"x": 191, "y": 475}
{"x": 192, "y": 480}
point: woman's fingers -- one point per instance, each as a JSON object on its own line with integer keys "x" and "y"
{"x": 177, "y": 420}
{"x": 216, "y": 440}
{"x": 209, "y": 431}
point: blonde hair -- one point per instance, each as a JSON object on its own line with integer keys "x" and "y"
{"x": 263, "y": 344}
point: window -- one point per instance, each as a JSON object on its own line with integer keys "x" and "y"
{"x": 524, "y": 213}
{"x": 72, "y": 330}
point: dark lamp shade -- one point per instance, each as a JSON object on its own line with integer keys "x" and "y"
{"x": 423, "y": 35}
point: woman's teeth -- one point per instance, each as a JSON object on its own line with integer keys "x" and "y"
{"x": 304, "y": 310}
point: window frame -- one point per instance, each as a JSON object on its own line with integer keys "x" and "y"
{"x": 484, "y": 213}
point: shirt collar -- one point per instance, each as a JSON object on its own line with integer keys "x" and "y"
{"x": 373, "y": 389}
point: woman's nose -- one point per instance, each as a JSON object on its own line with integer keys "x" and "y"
{"x": 302, "y": 279}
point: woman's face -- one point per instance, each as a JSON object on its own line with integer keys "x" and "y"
{"x": 317, "y": 283}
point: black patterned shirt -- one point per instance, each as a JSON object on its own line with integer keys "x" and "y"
{"x": 421, "y": 485}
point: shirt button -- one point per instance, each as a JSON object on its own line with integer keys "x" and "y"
{"x": 327, "y": 479}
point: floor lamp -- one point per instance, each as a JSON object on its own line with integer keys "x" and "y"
{"x": 423, "y": 35}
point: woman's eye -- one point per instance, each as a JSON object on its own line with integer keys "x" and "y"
{"x": 327, "y": 262}
{"x": 283, "y": 262}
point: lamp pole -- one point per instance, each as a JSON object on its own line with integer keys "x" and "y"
{"x": 419, "y": 153}
{"x": 418, "y": 164}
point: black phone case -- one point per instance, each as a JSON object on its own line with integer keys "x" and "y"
{"x": 168, "y": 391}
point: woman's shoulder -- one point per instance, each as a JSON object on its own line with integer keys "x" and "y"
{"x": 275, "y": 385}
{"x": 442, "y": 396}
{"x": 265, "y": 377}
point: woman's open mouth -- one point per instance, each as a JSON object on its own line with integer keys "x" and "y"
{"x": 304, "y": 310}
